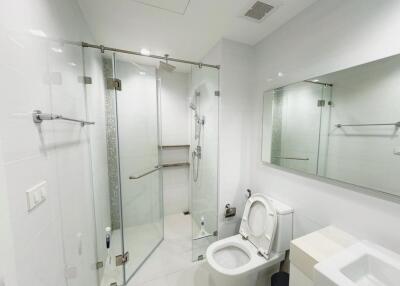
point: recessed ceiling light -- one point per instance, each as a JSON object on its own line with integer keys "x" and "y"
{"x": 316, "y": 80}
{"x": 142, "y": 73}
{"x": 280, "y": 74}
{"x": 145, "y": 52}
{"x": 57, "y": 50}
{"x": 38, "y": 33}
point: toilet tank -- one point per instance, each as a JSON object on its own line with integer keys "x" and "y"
{"x": 284, "y": 229}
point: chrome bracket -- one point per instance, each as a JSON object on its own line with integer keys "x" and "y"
{"x": 114, "y": 83}
{"x": 121, "y": 259}
{"x": 87, "y": 80}
{"x": 99, "y": 265}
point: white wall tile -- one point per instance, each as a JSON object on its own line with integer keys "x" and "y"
{"x": 43, "y": 66}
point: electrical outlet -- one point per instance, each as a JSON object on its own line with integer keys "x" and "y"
{"x": 36, "y": 195}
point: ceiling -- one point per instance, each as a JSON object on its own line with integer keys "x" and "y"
{"x": 181, "y": 28}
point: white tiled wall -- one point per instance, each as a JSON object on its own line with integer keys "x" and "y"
{"x": 328, "y": 36}
{"x": 42, "y": 69}
{"x": 175, "y": 118}
{"x": 236, "y": 77}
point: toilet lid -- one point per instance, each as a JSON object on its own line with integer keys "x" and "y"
{"x": 259, "y": 223}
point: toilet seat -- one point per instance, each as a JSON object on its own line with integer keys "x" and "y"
{"x": 259, "y": 223}
{"x": 255, "y": 261}
{"x": 255, "y": 239}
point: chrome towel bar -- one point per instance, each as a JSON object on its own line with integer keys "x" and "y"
{"x": 166, "y": 165}
{"x": 156, "y": 168}
{"x": 291, "y": 158}
{"x": 397, "y": 124}
{"x": 38, "y": 117}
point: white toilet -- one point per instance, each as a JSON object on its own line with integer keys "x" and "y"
{"x": 264, "y": 236}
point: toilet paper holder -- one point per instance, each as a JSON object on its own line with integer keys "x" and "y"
{"x": 229, "y": 211}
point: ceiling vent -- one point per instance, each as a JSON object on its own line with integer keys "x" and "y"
{"x": 258, "y": 11}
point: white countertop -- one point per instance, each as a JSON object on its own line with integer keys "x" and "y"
{"x": 308, "y": 250}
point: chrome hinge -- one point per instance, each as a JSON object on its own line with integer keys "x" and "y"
{"x": 87, "y": 80}
{"x": 321, "y": 103}
{"x": 215, "y": 233}
{"x": 121, "y": 259}
{"x": 200, "y": 257}
{"x": 114, "y": 83}
{"x": 217, "y": 93}
{"x": 99, "y": 264}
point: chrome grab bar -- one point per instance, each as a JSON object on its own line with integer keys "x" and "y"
{"x": 166, "y": 165}
{"x": 156, "y": 168}
{"x": 397, "y": 124}
{"x": 38, "y": 117}
{"x": 291, "y": 158}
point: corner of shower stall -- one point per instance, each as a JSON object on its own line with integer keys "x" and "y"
{"x": 204, "y": 144}
{"x": 127, "y": 167}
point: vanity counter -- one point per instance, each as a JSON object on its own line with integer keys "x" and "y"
{"x": 313, "y": 248}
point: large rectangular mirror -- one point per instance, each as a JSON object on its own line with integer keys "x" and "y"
{"x": 343, "y": 126}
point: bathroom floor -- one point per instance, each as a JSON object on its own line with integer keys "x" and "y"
{"x": 170, "y": 264}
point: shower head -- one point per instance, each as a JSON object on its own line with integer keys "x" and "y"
{"x": 166, "y": 66}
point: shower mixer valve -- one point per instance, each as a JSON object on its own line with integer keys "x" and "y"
{"x": 197, "y": 152}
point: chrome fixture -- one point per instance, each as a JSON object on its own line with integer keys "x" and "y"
{"x": 165, "y": 58}
{"x": 167, "y": 66}
{"x": 291, "y": 158}
{"x": 317, "y": 82}
{"x": 397, "y": 124}
{"x": 229, "y": 211}
{"x": 180, "y": 164}
{"x": 156, "y": 168}
{"x": 248, "y": 193}
{"x": 38, "y": 117}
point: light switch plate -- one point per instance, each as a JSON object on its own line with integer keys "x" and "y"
{"x": 36, "y": 195}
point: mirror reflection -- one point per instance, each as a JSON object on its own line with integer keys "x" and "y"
{"x": 343, "y": 125}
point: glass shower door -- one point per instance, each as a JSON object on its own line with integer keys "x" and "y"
{"x": 140, "y": 175}
{"x": 204, "y": 159}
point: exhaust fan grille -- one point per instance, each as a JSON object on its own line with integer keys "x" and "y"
{"x": 258, "y": 10}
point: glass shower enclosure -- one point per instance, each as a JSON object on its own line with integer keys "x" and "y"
{"x": 128, "y": 192}
{"x": 204, "y": 158}
{"x": 135, "y": 177}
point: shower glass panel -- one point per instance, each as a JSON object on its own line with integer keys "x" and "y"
{"x": 295, "y": 125}
{"x": 140, "y": 177}
{"x": 204, "y": 158}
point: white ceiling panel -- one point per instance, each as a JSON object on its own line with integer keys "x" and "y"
{"x": 174, "y": 6}
{"x": 131, "y": 25}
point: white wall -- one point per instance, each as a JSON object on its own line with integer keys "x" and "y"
{"x": 7, "y": 266}
{"x": 175, "y": 118}
{"x": 236, "y": 87}
{"x": 42, "y": 66}
{"x": 328, "y": 36}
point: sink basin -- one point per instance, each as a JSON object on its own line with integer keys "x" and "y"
{"x": 362, "y": 264}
